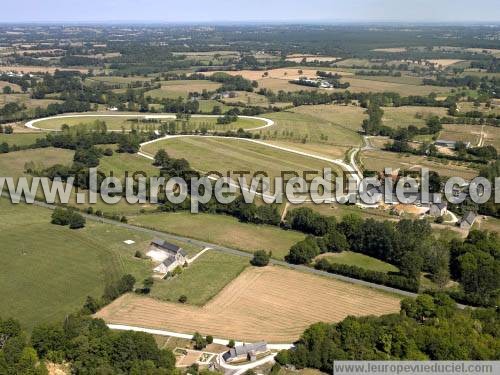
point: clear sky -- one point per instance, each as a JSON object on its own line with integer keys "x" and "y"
{"x": 180, "y": 11}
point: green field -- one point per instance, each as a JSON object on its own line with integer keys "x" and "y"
{"x": 12, "y": 164}
{"x": 20, "y": 139}
{"x": 378, "y": 160}
{"x": 350, "y": 258}
{"x": 328, "y": 124}
{"x": 206, "y": 106}
{"x": 48, "y": 270}
{"x": 395, "y": 117}
{"x": 223, "y": 155}
{"x": 365, "y": 84}
{"x": 119, "y": 163}
{"x": 175, "y": 89}
{"x": 121, "y": 122}
{"x": 202, "y": 280}
{"x": 248, "y": 98}
{"x": 222, "y": 230}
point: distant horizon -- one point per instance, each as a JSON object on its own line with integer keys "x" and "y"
{"x": 444, "y": 12}
{"x": 251, "y": 22}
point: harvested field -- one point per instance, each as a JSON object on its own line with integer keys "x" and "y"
{"x": 276, "y": 84}
{"x": 37, "y": 69}
{"x": 390, "y": 50}
{"x": 444, "y": 62}
{"x": 282, "y": 73}
{"x": 13, "y": 86}
{"x": 462, "y": 133}
{"x": 492, "y": 135}
{"x": 271, "y": 303}
{"x": 300, "y": 57}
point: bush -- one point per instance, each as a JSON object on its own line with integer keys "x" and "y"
{"x": 231, "y": 344}
{"x": 303, "y": 252}
{"x": 199, "y": 341}
{"x": 260, "y": 258}
{"x": 76, "y": 221}
{"x": 183, "y": 299}
{"x": 209, "y": 339}
{"x": 108, "y": 152}
{"x": 61, "y": 216}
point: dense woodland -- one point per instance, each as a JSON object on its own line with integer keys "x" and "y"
{"x": 428, "y": 328}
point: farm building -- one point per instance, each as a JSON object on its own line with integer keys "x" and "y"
{"x": 245, "y": 352}
{"x": 438, "y": 209}
{"x": 468, "y": 220}
{"x": 449, "y": 144}
{"x": 169, "y": 255}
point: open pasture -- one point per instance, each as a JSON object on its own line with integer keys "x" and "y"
{"x": 404, "y": 89}
{"x": 20, "y": 139}
{"x": 221, "y": 230}
{"x": 378, "y": 160}
{"x": 272, "y": 303}
{"x": 395, "y": 117}
{"x": 335, "y": 125}
{"x": 202, "y": 279}
{"x": 228, "y": 155}
{"x": 127, "y": 121}
{"x": 175, "y": 89}
{"x": 47, "y": 271}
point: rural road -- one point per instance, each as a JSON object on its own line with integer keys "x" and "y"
{"x": 160, "y": 332}
{"x": 31, "y": 124}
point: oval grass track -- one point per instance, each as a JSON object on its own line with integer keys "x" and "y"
{"x": 118, "y": 121}
{"x": 273, "y": 304}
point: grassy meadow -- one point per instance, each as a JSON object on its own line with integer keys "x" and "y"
{"x": 47, "y": 271}
{"x": 201, "y": 280}
{"x": 222, "y": 230}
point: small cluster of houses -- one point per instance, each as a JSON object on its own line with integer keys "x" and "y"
{"x": 314, "y": 82}
{"x": 434, "y": 208}
{"x": 17, "y": 75}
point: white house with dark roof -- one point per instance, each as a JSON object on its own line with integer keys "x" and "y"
{"x": 245, "y": 352}
{"x": 167, "y": 254}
